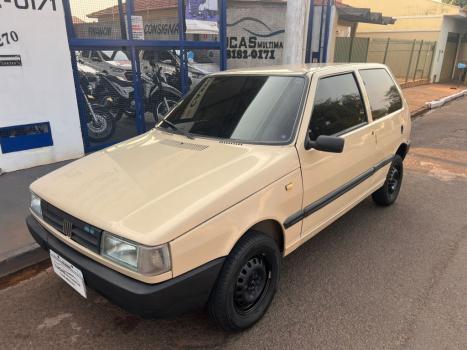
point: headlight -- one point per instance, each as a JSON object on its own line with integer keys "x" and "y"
{"x": 142, "y": 259}
{"x": 36, "y": 204}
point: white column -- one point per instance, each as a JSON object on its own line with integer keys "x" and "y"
{"x": 296, "y": 31}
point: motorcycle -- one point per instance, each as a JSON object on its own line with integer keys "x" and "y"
{"x": 100, "y": 123}
{"x": 118, "y": 95}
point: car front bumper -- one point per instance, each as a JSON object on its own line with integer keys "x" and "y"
{"x": 185, "y": 293}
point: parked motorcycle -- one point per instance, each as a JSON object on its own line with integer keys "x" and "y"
{"x": 100, "y": 124}
{"x": 118, "y": 95}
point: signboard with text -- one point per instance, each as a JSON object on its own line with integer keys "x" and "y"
{"x": 255, "y": 35}
{"x": 202, "y": 17}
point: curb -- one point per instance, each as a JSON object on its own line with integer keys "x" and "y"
{"x": 444, "y": 100}
{"x": 21, "y": 261}
{"x": 419, "y": 111}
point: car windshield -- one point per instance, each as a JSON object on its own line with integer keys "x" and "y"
{"x": 252, "y": 108}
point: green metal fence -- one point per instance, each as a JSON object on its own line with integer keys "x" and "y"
{"x": 409, "y": 60}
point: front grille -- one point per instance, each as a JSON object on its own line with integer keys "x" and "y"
{"x": 79, "y": 231}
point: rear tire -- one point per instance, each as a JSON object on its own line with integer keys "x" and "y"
{"x": 389, "y": 192}
{"x": 247, "y": 283}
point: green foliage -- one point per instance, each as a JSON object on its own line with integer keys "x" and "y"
{"x": 461, "y": 3}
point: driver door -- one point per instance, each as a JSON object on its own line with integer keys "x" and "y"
{"x": 333, "y": 182}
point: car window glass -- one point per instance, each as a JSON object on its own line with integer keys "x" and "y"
{"x": 338, "y": 106}
{"x": 382, "y": 92}
{"x": 248, "y": 108}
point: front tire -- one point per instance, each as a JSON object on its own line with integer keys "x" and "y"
{"x": 247, "y": 283}
{"x": 102, "y": 127}
{"x": 164, "y": 105}
{"x": 389, "y": 192}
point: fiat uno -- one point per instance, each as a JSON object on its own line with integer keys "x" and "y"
{"x": 198, "y": 212}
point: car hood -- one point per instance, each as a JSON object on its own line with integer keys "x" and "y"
{"x": 157, "y": 186}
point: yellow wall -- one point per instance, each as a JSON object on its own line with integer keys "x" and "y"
{"x": 422, "y": 18}
{"x": 403, "y": 35}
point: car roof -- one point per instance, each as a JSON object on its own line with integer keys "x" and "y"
{"x": 299, "y": 69}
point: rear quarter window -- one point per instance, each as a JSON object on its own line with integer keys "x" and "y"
{"x": 382, "y": 92}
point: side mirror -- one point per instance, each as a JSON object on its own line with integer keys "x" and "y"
{"x": 325, "y": 143}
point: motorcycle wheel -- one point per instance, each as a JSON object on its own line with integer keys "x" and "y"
{"x": 164, "y": 105}
{"x": 102, "y": 127}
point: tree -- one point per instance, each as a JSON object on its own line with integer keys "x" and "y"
{"x": 461, "y": 3}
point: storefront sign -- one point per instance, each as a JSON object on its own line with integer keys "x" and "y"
{"x": 137, "y": 27}
{"x": 201, "y": 17}
{"x": 37, "y": 5}
{"x": 10, "y": 60}
{"x": 35, "y": 66}
{"x": 161, "y": 29}
{"x": 253, "y": 42}
{"x": 8, "y": 38}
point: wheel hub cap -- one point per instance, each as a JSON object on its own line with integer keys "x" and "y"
{"x": 393, "y": 182}
{"x": 251, "y": 284}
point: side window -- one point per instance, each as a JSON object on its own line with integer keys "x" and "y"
{"x": 338, "y": 106}
{"x": 382, "y": 92}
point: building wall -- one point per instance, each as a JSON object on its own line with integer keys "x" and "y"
{"x": 453, "y": 25}
{"x": 415, "y": 19}
{"x": 431, "y": 35}
{"x": 42, "y": 88}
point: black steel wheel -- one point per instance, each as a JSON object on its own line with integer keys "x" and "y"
{"x": 253, "y": 282}
{"x": 247, "y": 283}
{"x": 388, "y": 193}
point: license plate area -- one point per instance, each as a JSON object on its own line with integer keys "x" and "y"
{"x": 69, "y": 273}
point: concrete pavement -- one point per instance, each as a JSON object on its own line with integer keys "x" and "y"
{"x": 417, "y": 96}
{"x": 15, "y": 240}
{"x": 392, "y": 278}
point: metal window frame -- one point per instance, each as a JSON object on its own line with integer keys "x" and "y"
{"x": 134, "y": 46}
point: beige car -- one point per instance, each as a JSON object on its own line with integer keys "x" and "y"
{"x": 199, "y": 211}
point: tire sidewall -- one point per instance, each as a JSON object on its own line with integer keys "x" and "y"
{"x": 396, "y": 163}
{"x": 265, "y": 246}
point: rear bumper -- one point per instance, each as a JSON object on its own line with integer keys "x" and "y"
{"x": 188, "y": 292}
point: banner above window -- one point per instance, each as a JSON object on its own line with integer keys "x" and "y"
{"x": 202, "y": 16}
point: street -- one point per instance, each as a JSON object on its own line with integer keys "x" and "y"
{"x": 377, "y": 278}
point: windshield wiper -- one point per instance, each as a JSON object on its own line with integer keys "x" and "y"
{"x": 176, "y": 128}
